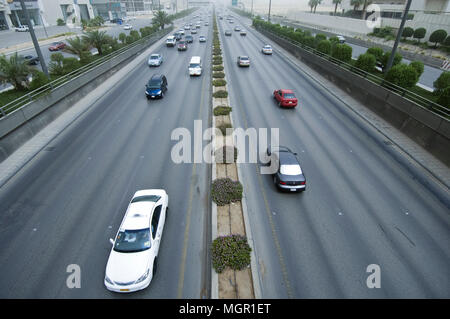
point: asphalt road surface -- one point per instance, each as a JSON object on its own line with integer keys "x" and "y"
{"x": 361, "y": 207}
{"x": 63, "y": 207}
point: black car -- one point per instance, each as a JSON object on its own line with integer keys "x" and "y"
{"x": 189, "y": 38}
{"x": 156, "y": 87}
{"x": 32, "y": 60}
{"x": 178, "y": 35}
{"x": 289, "y": 175}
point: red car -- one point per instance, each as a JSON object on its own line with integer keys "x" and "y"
{"x": 285, "y": 98}
{"x": 56, "y": 46}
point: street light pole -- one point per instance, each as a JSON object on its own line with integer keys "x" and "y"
{"x": 252, "y": 10}
{"x": 397, "y": 39}
{"x": 270, "y": 5}
{"x": 33, "y": 37}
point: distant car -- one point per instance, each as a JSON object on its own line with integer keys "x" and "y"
{"x": 187, "y": 27}
{"x": 156, "y": 87}
{"x": 181, "y": 31}
{"x": 243, "y": 60}
{"x": 285, "y": 98}
{"x": 289, "y": 175}
{"x": 22, "y": 28}
{"x": 341, "y": 39}
{"x": 198, "y": 26}
{"x": 237, "y": 28}
{"x": 189, "y": 38}
{"x": 182, "y": 45}
{"x": 132, "y": 262}
{"x": 127, "y": 27}
{"x": 243, "y": 32}
{"x": 231, "y": 21}
{"x": 56, "y": 46}
{"x": 267, "y": 49}
{"x": 177, "y": 36}
{"x": 155, "y": 59}
{"x": 202, "y": 38}
{"x": 228, "y": 33}
{"x": 193, "y": 31}
{"x": 206, "y": 24}
{"x": 32, "y": 60}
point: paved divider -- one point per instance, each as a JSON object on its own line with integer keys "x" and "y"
{"x": 21, "y": 125}
{"x": 426, "y": 128}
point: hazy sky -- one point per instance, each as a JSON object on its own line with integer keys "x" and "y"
{"x": 295, "y": 4}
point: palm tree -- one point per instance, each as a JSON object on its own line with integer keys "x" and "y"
{"x": 336, "y": 2}
{"x": 317, "y": 2}
{"x": 77, "y": 46}
{"x": 97, "y": 39}
{"x": 311, "y": 4}
{"x": 14, "y": 70}
{"x": 161, "y": 18}
{"x": 363, "y": 14}
{"x": 356, "y": 4}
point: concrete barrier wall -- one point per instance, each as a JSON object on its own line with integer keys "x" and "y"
{"x": 429, "y": 130}
{"x": 21, "y": 125}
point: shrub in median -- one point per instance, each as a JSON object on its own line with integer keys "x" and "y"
{"x": 220, "y": 94}
{"x": 219, "y": 82}
{"x": 402, "y": 75}
{"x": 222, "y": 110}
{"x": 218, "y": 75}
{"x": 231, "y": 251}
{"x": 217, "y": 68}
{"x": 225, "y": 191}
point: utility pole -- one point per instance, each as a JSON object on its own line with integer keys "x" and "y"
{"x": 397, "y": 39}
{"x": 33, "y": 37}
{"x": 252, "y": 10}
{"x": 270, "y": 5}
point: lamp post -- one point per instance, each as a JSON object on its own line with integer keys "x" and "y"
{"x": 33, "y": 37}
{"x": 270, "y": 5}
{"x": 397, "y": 39}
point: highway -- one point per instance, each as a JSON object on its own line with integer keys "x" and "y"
{"x": 361, "y": 207}
{"x": 63, "y": 207}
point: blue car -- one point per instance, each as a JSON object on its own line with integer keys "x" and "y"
{"x": 156, "y": 87}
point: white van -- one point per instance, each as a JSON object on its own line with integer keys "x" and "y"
{"x": 195, "y": 66}
{"x": 171, "y": 41}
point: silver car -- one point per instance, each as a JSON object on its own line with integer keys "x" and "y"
{"x": 155, "y": 59}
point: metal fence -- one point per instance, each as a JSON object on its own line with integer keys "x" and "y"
{"x": 49, "y": 87}
{"x": 418, "y": 99}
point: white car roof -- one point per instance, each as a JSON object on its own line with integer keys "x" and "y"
{"x": 138, "y": 213}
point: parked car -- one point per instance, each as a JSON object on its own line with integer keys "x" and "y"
{"x": 155, "y": 59}
{"x": 56, "y": 46}
{"x": 189, "y": 38}
{"x": 228, "y": 33}
{"x": 243, "y": 60}
{"x": 243, "y": 32}
{"x": 156, "y": 87}
{"x": 22, "y": 28}
{"x": 132, "y": 262}
{"x": 182, "y": 45}
{"x": 289, "y": 175}
{"x": 267, "y": 49}
{"x": 202, "y": 38}
{"x": 285, "y": 98}
{"x": 127, "y": 27}
{"x": 341, "y": 39}
{"x": 32, "y": 60}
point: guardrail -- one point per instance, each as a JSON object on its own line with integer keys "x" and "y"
{"x": 49, "y": 87}
{"x": 420, "y": 100}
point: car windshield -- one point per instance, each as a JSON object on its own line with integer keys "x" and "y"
{"x": 154, "y": 57}
{"x": 153, "y": 85}
{"x": 290, "y": 170}
{"x": 289, "y": 96}
{"x": 194, "y": 65}
{"x": 267, "y": 47}
{"x": 131, "y": 241}
{"x": 244, "y": 57}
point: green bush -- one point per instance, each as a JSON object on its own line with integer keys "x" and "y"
{"x": 70, "y": 65}
{"x": 55, "y": 66}
{"x": 217, "y": 68}
{"x": 402, "y": 75}
{"x": 407, "y": 32}
{"x": 39, "y": 79}
{"x": 135, "y": 35}
{"x": 377, "y": 52}
{"x": 220, "y": 94}
{"x": 444, "y": 97}
{"x": 324, "y": 46}
{"x": 418, "y": 66}
{"x": 86, "y": 57}
{"x": 219, "y": 82}
{"x": 438, "y": 36}
{"x": 309, "y": 41}
{"x": 218, "y": 75}
{"x": 342, "y": 52}
{"x": 385, "y": 58}
{"x": 225, "y": 191}
{"x": 442, "y": 82}
{"x": 222, "y": 110}
{"x": 60, "y": 22}
{"x": 319, "y": 37}
{"x": 419, "y": 33}
{"x": 129, "y": 39}
{"x": 366, "y": 62}
{"x": 231, "y": 251}
{"x": 122, "y": 37}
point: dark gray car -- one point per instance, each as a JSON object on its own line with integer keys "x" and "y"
{"x": 289, "y": 175}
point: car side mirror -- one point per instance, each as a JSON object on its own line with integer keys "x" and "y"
{"x": 111, "y": 241}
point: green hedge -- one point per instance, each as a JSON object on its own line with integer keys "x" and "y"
{"x": 220, "y": 94}
{"x": 225, "y": 191}
{"x": 222, "y": 110}
{"x": 231, "y": 251}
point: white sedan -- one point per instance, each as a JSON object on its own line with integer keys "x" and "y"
{"x": 22, "y": 28}
{"x": 132, "y": 261}
{"x": 128, "y": 27}
{"x": 267, "y": 49}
